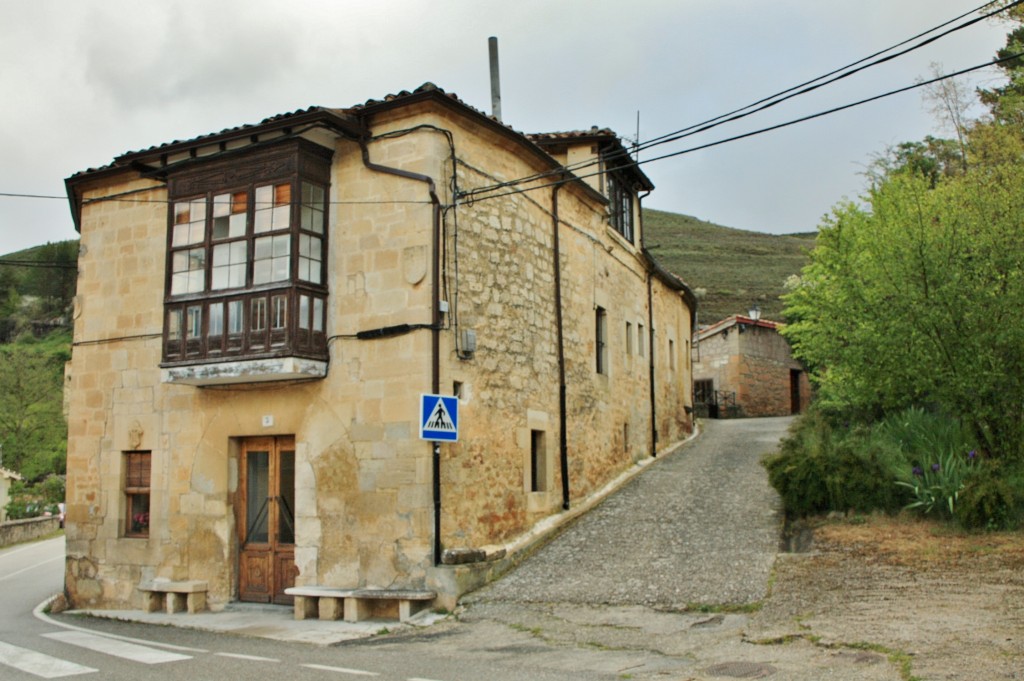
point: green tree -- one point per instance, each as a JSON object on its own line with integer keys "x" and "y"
{"x": 916, "y": 300}
{"x": 32, "y": 427}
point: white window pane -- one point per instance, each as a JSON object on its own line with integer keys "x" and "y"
{"x": 281, "y": 269}
{"x": 236, "y": 276}
{"x": 318, "y": 314}
{"x": 235, "y": 324}
{"x": 281, "y": 216}
{"x": 174, "y": 325}
{"x": 262, "y": 221}
{"x": 194, "y": 322}
{"x": 261, "y": 272}
{"x": 180, "y": 235}
{"x": 282, "y": 246}
{"x": 238, "y": 251}
{"x": 216, "y": 319}
{"x": 196, "y": 259}
{"x": 221, "y": 205}
{"x": 236, "y": 226}
{"x": 264, "y": 248}
{"x": 196, "y": 281}
{"x": 303, "y": 312}
{"x": 220, "y": 278}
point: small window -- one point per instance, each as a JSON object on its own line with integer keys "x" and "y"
{"x": 629, "y": 338}
{"x": 601, "y": 340}
{"x": 640, "y": 339}
{"x": 671, "y": 354}
{"x": 538, "y": 461}
{"x": 136, "y": 492}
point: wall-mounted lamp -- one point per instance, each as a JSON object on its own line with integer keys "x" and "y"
{"x": 755, "y": 312}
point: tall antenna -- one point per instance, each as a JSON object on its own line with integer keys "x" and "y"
{"x": 492, "y": 46}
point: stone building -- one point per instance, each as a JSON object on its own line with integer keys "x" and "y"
{"x": 6, "y": 478}
{"x": 742, "y": 366}
{"x": 260, "y": 310}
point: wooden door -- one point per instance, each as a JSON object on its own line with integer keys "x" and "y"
{"x": 266, "y": 520}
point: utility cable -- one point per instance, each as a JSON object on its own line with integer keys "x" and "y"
{"x": 767, "y": 102}
{"x": 752, "y": 133}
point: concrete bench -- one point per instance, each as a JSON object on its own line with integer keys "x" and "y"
{"x": 356, "y": 605}
{"x": 174, "y": 596}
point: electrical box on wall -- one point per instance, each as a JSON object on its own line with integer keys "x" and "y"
{"x": 469, "y": 340}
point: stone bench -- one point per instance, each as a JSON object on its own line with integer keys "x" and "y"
{"x": 174, "y": 596}
{"x": 356, "y": 605}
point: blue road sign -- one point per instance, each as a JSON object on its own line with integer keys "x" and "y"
{"x": 439, "y": 418}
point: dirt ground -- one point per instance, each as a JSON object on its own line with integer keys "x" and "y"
{"x": 939, "y": 603}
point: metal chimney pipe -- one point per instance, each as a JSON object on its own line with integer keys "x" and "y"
{"x": 492, "y": 45}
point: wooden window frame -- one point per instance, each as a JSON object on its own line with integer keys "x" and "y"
{"x": 297, "y": 170}
{"x": 138, "y": 468}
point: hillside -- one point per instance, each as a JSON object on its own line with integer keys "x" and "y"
{"x": 729, "y": 269}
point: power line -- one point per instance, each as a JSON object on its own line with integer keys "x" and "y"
{"x": 752, "y": 133}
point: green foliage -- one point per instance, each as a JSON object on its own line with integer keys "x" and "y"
{"x": 32, "y": 501}
{"x": 992, "y": 498}
{"x": 828, "y": 465}
{"x": 915, "y": 302}
{"x": 33, "y": 432}
{"x": 936, "y": 486}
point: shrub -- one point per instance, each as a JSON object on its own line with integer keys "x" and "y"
{"x": 992, "y": 499}
{"x": 825, "y": 465}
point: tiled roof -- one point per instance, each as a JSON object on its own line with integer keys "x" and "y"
{"x": 594, "y": 132}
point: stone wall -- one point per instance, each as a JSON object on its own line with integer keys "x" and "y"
{"x": 15, "y": 531}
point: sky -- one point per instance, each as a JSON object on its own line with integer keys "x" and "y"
{"x": 88, "y": 80}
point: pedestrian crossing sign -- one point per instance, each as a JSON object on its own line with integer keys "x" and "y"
{"x": 439, "y": 418}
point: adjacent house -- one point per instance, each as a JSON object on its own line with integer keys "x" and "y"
{"x": 6, "y": 478}
{"x": 260, "y": 310}
{"x": 742, "y": 366}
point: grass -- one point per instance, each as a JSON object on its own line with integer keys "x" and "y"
{"x": 733, "y": 268}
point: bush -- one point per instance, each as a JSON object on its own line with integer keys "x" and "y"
{"x": 914, "y": 458}
{"x": 825, "y": 465}
{"x": 992, "y": 499}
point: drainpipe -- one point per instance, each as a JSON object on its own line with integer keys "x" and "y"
{"x": 563, "y": 441}
{"x": 650, "y": 329}
{"x": 650, "y": 355}
{"x": 435, "y": 364}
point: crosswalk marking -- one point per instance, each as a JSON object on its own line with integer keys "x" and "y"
{"x": 254, "y": 658}
{"x": 341, "y": 670}
{"x": 123, "y": 649}
{"x": 38, "y": 664}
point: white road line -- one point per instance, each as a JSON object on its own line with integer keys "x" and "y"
{"x": 31, "y": 567}
{"x": 341, "y": 670}
{"x": 416, "y": 678}
{"x": 254, "y": 658}
{"x": 41, "y": 615}
{"x": 38, "y": 664}
{"x": 123, "y": 649}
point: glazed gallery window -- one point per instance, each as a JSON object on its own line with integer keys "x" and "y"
{"x": 620, "y": 206}
{"x": 137, "y": 466}
{"x": 245, "y": 238}
{"x": 245, "y": 262}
